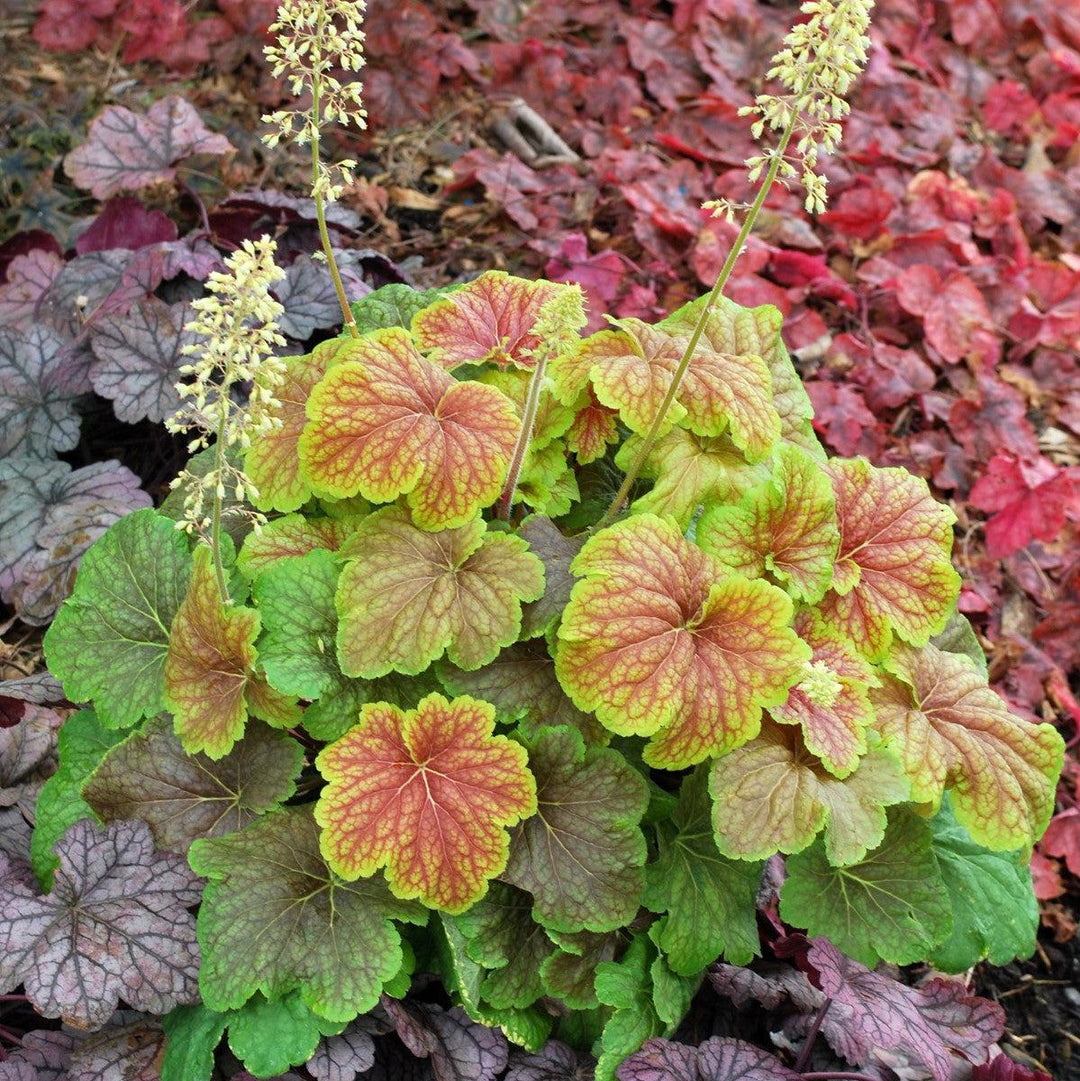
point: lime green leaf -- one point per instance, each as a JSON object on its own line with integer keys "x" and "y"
{"x": 570, "y": 972}
{"x": 658, "y": 642}
{"x": 108, "y": 642}
{"x": 786, "y": 526}
{"x": 407, "y": 596}
{"x": 626, "y": 985}
{"x": 710, "y": 900}
{"x": 771, "y": 795}
{"x": 269, "y": 1037}
{"x": 192, "y": 1034}
{"x": 83, "y": 744}
{"x": 893, "y": 905}
{"x": 275, "y": 918}
{"x": 995, "y": 914}
{"x": 952, "y": 732}
{"x": 581, "y": 854}
{"x": 392, "y": 305}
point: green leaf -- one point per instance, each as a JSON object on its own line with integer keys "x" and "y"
{"x": 570, "y": 972}
{"x": 270, "y": 1036}
{"x": 393, "y": 305}
{"x": 299, "y": 623}
{"x": 109, "y": 640}
{"x": 338, "y": 709}
{"x": 191, "y": 1035}
{"x": 893, "y": 905}
{"x": 581, "y": 854}
{"x": 672, "y": 993}
{"x": 82, "y": 746}
{"x": 710, "y": 900}
{"x": 995, "y": 913}
{"x": 275, "y": 918}
{"x": 627, "y": 986}
{"x": 504, "y": 938}
{"x": 958, "y": 637}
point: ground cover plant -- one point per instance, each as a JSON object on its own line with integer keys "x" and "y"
{"x": 761, "y": 650}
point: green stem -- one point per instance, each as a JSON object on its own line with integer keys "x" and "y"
{"x": 215, "y": 516}
{"x": 684, "y": 363}
{"x": 517, "y": 459}
{"x": 320, "y": 214}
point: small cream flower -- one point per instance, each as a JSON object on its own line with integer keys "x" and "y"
{"x": 238, "y": 324}
{"x": 821, "y": 59}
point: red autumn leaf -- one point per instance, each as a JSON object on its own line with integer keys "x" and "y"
{"x": 841, "y": 416}
{"x": 957, "y": 321}
{"x": 860, "y": 212}
{"x": 1031, "y": 501}
{"x": 389, "y": 423}
{"x": 1062, "y": 838}
{"x": 427, "y": 794}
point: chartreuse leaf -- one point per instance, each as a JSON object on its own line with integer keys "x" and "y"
{"x": 785, "y": 526}
{"x": 659, "y": 643}
{"x": 392, "y": 305}
{"x": 209, "y": 664}
{"x": 269, "y": 1037}
{"x": 293, "y": 535}
{"x": 690, "y": 470}
{"x": 275, "y": 918}
{"x": 389, "y": 423}
{"x": 425, "y": 793}
{"x": 831, "y": 703}
{"x": 570, "y": 972}
{"x": 492, "y": 318}
{"x": 299, "y": 623}
{"x": 109, "y": 640}
{"x": 83, "y": 743}
{"x": 731, "y": 328}
{"x": 192, "y": 1034}
{"x": 581, "y": 854}
{"x": 893, "y": 572}
{"x": 407, "y": 596}
{"x": 952, "y": 732}
{"x": 504, "y": 938}
{"x": 995, "y": 914}
{"x": 630, "y": 369}
{"x": 464, "y": 978}
{"x": 709, "y": 899}
{"x": 772, "y": 795}
{"x": 271, "y": 462}
{"x": 183, "y": 797}
{"x": 892, "y": 905}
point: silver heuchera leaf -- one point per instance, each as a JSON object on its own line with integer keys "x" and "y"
{"x": 29, "y": 278}
{"x": 37, "y": 416}
{"x": 116, "y": 923}
{"x": 459, "y": 1048}
{"x": 137, "y": 359}
{"x": 310, "y": 299}
{"x": 346, "y": 1056}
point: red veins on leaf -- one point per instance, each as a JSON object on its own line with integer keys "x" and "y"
{"x": 426, "y": 793}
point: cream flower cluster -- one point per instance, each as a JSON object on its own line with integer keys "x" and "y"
{"x": 315, "y": 38}
{"x": 821, "y": 59}
{"x": 238, "y": 325}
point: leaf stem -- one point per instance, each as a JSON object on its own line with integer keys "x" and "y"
{"x": 528, "y": 420}
{"x": 699, "y": 327}
{"x": 320, "y": 212}
{"x": 811, "y": 1036}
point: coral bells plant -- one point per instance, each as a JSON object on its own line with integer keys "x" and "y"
{"x": 464, "y": 705}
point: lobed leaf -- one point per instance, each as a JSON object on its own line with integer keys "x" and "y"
{"x": 952, "y": 732}
{"x": 458, "y": 1047}
{"x": 659, "y": 643}
{"x": 109, "y": 642}
{"x": 292, "y": 535}
{"x": 719, "y": 1058}
{"x": 275, "y": 918}
{"x": 270, "y": 1036}
{"x": 408, "y": 596}
{"x": 892, "y": 572}
{"x": 392, "y": 305}
{"x": 389, "y": 423}
{"x": 425, "y": 793}
{"x": 581, "y": 854}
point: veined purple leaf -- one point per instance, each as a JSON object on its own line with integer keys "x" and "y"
{"x": 192, "y": 255}
{"x": 307, "y": 293}
{"x": 29, "y": 488}
{"x": 553, "y": 1062}
{"x": 347, "y": 1055}
{"x": 116, "y": 923}
{"x": 768, "y": 987}
{"x": 871, "y": 1013}
{"x": 29, "y": 278}
{"x": 42, "y": 689}
{"x": 43, "y": 1055}
{"x": 717, "y": 1059}
{"x": 26, "y": 754}
{"x": 125, "y": 151}
{"x": 129, "y": 1048}
{"x": 37, "y": 416}
{"x": 86, "y": 284}
{"x": 137, "y": 359}
{"x": 459, "y": 1048}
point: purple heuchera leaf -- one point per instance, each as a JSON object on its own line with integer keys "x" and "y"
{"x": 344, "y": 1057}
{"x": 29, "y": 278}
{"x": 871, "y": 1013}
{"x": 43, "y": 1055}
{"x": 116, "y": 923}
{"x": 553, "y": 1062}
{"x": 125, "y": 223}
{"x": 307, "y": 293}
{"x": 125, "y": 151}
{"x": 768, "y": 987}
{"x": 459, "y": 1048}
{"x": 717, "y": 1059}
{"x": 31, "y": 488}
{"x": 24, "y": 752}
{"x": 87, "y": 284}
{"x": 137, "y": 359}
{"x": 129, "y": 1047}
{"x": 37, "y": 416}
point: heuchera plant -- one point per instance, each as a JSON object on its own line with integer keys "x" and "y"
{"x": 454, "y": 705}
